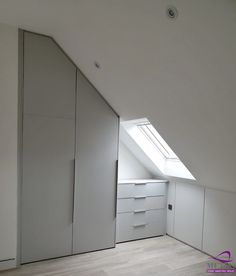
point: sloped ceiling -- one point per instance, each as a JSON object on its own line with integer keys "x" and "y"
{"x": 179, "y": 74}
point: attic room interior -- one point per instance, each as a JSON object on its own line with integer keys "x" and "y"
{"x": 117, "y": 137}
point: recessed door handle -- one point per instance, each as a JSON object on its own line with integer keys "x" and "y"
{"x": 139, "y": 211}
{"x": 139, "y": 225}
{"x": 116, "y": 188}
{"x": 74, "y": 183}
{"x": 139, "y": 197}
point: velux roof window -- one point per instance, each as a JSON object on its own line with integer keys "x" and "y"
{"x": 155, "y": 148}
{"x": 155, "y": 138}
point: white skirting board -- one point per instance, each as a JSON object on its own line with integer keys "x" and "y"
{"x": 8, "y": 264}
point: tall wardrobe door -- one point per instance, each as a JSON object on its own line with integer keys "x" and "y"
{"x": 48, "y": 150}
{"x": 97, "y": 140}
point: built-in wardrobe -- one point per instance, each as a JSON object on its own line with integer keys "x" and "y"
{"x": 69, "y": 156}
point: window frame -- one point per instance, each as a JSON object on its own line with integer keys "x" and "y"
{"x": 148, "y": 130}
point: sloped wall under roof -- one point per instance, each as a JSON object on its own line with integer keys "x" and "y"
{"x": 180, "y": 74}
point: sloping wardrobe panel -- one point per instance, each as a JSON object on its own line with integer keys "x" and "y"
{"x": 70, "y": 151}
{"x": 49, "y": 78}
{"x": 48, "y": 150}
{"x": 96, "y": 170}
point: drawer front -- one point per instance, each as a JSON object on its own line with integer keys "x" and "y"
{"x": 156, "y": 223}
{"x": 125, "y": 191}
{"x": 139, "y": 190}
{"x": 142, "y": 203}
{"x": 131, "y": 226}
{"x": 155, "y": 189}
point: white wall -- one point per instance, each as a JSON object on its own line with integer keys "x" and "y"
{"x": 170, "y": 213}
{"x": 189, "y": 201}
{"x": 202, "y": 217}
{"x": 220, "y": 222}
{"x": 179, "y": 74}
{"x": 129, "y": 166}
{"x": 8, "y": 143}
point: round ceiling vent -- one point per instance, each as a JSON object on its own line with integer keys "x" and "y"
{"x": 172, "y": 12}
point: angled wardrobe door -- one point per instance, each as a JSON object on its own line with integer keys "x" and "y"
{"x": 48, "y": 150}
{"x": 96, "y": 155}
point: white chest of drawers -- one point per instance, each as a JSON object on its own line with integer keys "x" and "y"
{"x": 141, "y": 209}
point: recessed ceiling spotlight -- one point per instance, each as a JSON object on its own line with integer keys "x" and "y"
{"x": 97, "y": 65}
{"x": 172, "y": 12}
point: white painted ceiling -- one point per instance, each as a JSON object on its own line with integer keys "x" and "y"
{"x": 179, "y": 74}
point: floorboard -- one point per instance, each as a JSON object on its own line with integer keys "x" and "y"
{"x": 162, "y": 256}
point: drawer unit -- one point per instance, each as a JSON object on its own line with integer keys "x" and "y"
{"x": 141, "y": 190}
{"x": 140, "y": 203}
{"x": 131, "y": 226}
{"x": 141, "y": 209}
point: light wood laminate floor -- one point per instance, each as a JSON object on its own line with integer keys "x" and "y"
{"x": 156, "y": 256}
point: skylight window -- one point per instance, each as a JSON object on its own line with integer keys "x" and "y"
{"x": 155, "y": 148}
{"x": 155, "y": 138}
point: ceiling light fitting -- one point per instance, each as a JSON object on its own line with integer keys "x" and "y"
{"x": 172, "y": 12}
